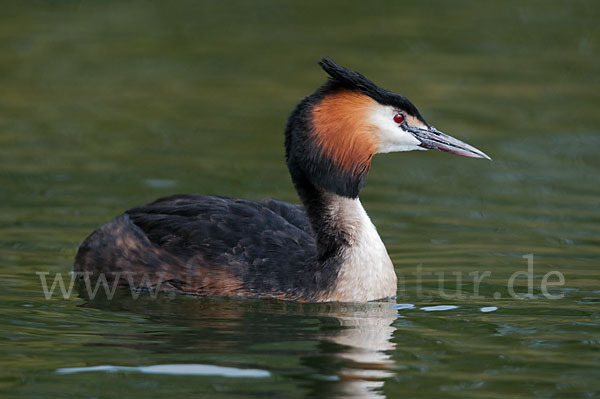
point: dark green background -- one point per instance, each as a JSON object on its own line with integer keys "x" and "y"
{"x": 105, "y": 105}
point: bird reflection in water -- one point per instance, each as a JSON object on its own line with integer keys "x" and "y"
{"x": 345, "y": 348}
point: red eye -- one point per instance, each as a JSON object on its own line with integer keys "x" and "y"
{"x": 398, "y": 118}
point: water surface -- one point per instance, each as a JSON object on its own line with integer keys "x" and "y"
{"x": 108, "y": 105}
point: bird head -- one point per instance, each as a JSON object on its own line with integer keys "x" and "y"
{"x": 333, "y": 134}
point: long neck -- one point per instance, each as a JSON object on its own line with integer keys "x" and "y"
{"x": 352, "y": 264}
{"x": 350, "y": 254}
{"x": 323, "y": 213}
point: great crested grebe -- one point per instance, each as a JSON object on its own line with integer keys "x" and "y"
{"x": 325, "y": 250}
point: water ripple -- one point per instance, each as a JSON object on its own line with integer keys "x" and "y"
{"x": 175, "y": 369}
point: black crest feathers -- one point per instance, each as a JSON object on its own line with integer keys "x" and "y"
{"x": 344, "y": 78}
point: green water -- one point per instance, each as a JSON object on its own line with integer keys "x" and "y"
{"x": 108, "y": 105}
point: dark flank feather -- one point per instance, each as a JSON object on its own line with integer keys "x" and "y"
{"x": 204, "y": 244}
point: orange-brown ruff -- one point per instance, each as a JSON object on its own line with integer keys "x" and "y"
{"x": 343, "y": 130}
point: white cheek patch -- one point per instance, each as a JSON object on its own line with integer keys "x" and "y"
{"x": 391, "y": 136}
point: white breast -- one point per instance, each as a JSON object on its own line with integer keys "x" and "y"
{"x": 367, "y": 272}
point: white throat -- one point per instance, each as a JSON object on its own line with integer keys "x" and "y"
{"x": 367, "y": 273}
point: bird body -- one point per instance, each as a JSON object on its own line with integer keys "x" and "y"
{"x": 325, "y": 250}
